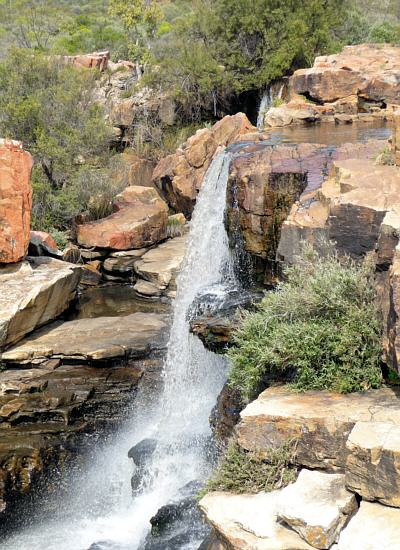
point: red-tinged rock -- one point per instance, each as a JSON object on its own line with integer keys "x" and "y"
{"x": 95, "y": 60}
{"x": 179, "y": 176}
{"x": 15, "y": 201}
{"x": 140, "y": 220}
{"x": 42, "y": 244}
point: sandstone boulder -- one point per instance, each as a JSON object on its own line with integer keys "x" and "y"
{"x": 95, "y": 339}
{"x": 15, "y": 201}
{"x": 320, "y": 422}
{"x": 249, "y": 522}
{"x": 33, "y": 293}
{"x": 179, "y": 176}
{"x": 140, "y": 220}
{"x": 367, "y": 70}
{"x": 294, "y": 112}
{"x": 373, "y": 464}
{"x": 161, "y": 264}
{"x": 317, "y": 506}
{"x": 373, "y": 527}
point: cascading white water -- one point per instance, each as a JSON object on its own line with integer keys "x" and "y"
{"x": 267, "y": 102}
{"x": 102, "y": 510}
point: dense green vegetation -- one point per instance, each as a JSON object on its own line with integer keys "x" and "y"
{"x": 249, "y": 472}
{"x": 49, "y": 107}
{"x": 321, "y": 327}
{"x": 207, "y": 54}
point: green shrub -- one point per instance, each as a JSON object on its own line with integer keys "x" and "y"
{"x": 248, "y": 472}
{"x": 277, "y": 102}
{"x": 321, "y": 327}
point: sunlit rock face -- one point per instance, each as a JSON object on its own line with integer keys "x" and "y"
{"x": 94, "y": 60}
{"x": 139, "y": 220}
{"x": 367, "y": 70}
{"x": 266, "y": 182}
{"x": 33, "y": 293}
{"x": 15, "y": 201}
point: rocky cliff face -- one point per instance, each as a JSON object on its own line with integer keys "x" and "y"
{"x": 15, "y": 201}
{"x": 357, "y": 208}
{"x": 266, "y": 181}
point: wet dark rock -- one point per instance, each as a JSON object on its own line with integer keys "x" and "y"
{"x": 50, "y": 416}
{"x": 226, "y": 413}
{"x": 214, "y": 319}
{"x": 168, "y": 514}
{"x": 142, "y": 452}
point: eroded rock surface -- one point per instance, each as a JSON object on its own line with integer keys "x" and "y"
{"x": 317, "y": 506}
{"x": 45, "y": 412}
{"x": 265, "y": 183}
{"x": 140, "y": 220}
{"x": 33, "y": 293}
{"x": 15, "y": 201}
{"x": 179, "y": 176}
{"x": 320, "y": 422}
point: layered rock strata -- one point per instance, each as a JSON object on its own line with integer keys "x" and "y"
{"x": 15, "y": 201}
{"x": 320, "y": 422}
{"x": 33, "y": 293}
{"x": 265, "y": 182}
{"x": 361, "y": 83}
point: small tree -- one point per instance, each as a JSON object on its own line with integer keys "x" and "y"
{"x": 140, "y": 19}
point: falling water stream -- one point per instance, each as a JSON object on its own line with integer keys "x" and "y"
{"x": 100, "y": 512}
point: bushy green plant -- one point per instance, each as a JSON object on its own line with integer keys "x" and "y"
{"x": 243, "y": 471}
{"x": 321, "y": 326}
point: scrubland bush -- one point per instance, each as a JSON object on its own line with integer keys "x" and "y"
{"x": 321, "y": 327}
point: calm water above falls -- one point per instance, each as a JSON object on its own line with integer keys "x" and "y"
{"x": 100, "y": 512}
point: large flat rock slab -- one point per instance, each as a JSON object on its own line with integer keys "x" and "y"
{"x": 249, "y": 522}
{"x": 95, "y": 339}
{"x": 140, "y": 220}
{"x": 15, "y": 201}
{"x": 373, "y": 464}
{"x": 374, "y": 527}
{"x": 319, "y": 421}
{"x": 33, "y": 293}
{"x": 161, "y": 264}
{"x": 317, "y": 506}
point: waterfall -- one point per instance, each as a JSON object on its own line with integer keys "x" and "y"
{"x": 101, "y": 514}
{"x": 267, "y": 101}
